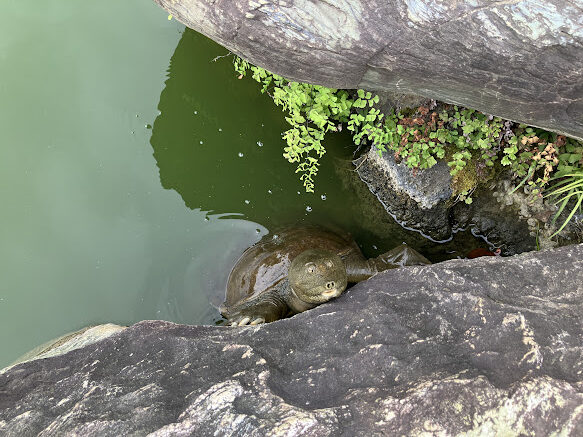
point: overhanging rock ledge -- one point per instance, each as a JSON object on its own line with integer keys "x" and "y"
{"x": 520, "y": 60}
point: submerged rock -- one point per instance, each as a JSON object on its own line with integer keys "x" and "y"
{"x": 501, "y": 223}
{"x": 485, "y": 347}
{"x": 521, "y": 61}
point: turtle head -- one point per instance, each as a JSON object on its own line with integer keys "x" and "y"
{"x": 317, "y": 276}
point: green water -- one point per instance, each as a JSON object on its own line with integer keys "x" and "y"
{"x": 134, "y": 170}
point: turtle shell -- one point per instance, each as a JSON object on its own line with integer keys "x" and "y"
{"x": 265, "y": 264}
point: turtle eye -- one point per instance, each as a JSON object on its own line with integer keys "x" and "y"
{"x": 311, "y": 268}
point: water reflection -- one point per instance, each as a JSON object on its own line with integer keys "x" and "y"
{"x": 217, "y": 142}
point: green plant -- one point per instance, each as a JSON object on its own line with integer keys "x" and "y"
{"x": 568, "y": 188}
{"x": 312, "y": 110}
{"x": 473, "y": 144}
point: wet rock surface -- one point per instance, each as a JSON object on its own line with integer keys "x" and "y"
{"x": 497, "y": 223}
{"x": 509, "y": 219}
{"x": 386, "y": 230}
{"x": 417, "y": 200}
{"x": 518, "y": 60}
{"x": 487, "y": 346}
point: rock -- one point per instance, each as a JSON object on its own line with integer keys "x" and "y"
{"x": 490, "y": 346}
{"x": 500, "y": 224}
{"x": 68, "y": 342}
{"x": 534, "y": 215}
{"x": 521, "y": 61}
{"x": 515, "y": 220}
{"x": 423, "y": 200}
{"x": 383, "y": 229}
{"x": 418, "y": 200}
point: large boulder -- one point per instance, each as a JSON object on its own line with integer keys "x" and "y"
{"x": 520, "y": 60}
{"x": 490, "y": 346}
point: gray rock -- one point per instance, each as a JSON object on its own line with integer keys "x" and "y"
{"x": 418, "y": 200}
{"x": 500, "y": 225}
{"x": 520, "y": 60}
{"x": 422, "y": 200}
{"x": 491, "y": 346}
{"x": 68, "y": 342}
{"x": 384, "y": 229}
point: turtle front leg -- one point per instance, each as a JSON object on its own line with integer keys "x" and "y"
{"x": 266, "y": 307}
{"x": 246, "y": 320}
{"x": 400, "y": 256}
{"x": 358, "y": 269}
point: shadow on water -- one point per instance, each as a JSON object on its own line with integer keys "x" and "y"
{"x": 217, "y": 142}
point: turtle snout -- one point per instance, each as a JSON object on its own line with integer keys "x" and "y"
{"x": 331, "y": 290}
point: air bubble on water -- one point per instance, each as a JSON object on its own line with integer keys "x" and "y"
{"x": 308, "y": 208}
{"x": 220, "y": 129}
{"x": 269, "y": 191}
{"x": 374, "y": 247}
{"x": 247, "y": 202}
{"x": 258, "y": 231}
{"x": 195, "y": 112}
{"x": 241, "y": 154}
{"x": 200, "y": 141}
{"x": 323, "y": 197}
{"x": 259, "y": 143}
{"x": 148, "y": 126}
{"x": 206, "y": 219}
{"x": 299, "y": 192}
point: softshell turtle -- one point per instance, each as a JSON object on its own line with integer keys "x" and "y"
{"x": 298, "y": 268}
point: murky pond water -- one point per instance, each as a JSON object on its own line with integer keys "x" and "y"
{"x": 134, "y": 170}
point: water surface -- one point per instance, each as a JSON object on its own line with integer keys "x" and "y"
{"x": 88, "y": 233}
{"x": 134, "y": 170}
